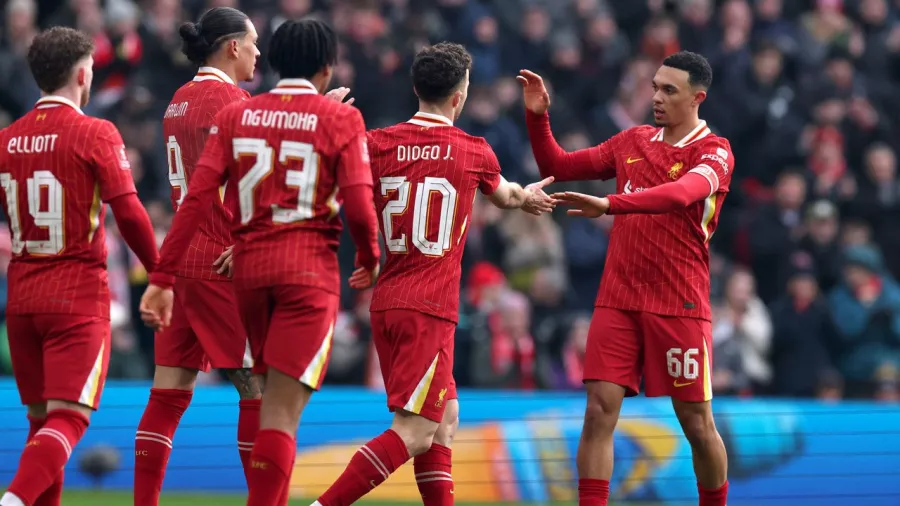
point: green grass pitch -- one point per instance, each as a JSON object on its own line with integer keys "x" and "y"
{"x": 102, "y": 498}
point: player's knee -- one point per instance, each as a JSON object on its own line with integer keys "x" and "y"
{"x": 446, "y": 431}
{"x": 246, "y": 383}
{"x": 699, "y": 429}
{"x": 417, "y": 432}
{"x": 601, "y": 413}
{"x": 37, "y": 411}
{"x": 174, "y": 378}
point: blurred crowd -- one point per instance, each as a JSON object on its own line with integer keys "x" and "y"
{"x": 805, "y": 287}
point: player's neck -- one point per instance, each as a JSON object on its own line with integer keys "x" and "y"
{"x": 226, "y": 69}
{"x": 672, "y": 134}
{"x": 68, "y": 93}
{"x": 445, "y": 111}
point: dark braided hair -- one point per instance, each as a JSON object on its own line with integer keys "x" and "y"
{"x": 301, "y": 49}
{"x": 205, "y": 37}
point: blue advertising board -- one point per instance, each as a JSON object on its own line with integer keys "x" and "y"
{"x": 518, "y": 446}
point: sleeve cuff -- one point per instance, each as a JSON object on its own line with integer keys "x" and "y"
{"x": 612, "y": 204}
{"x": 162, "y": 280}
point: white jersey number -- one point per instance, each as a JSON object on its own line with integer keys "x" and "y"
{"x": 424, "y": 193}
{"x": 49, "y": 218}
{"x": 304, "y": 179}
{"x": 177, "y": 176}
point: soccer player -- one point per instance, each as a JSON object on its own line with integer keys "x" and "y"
{"x": 58, "y": 167}
{"x": 206, "y": 329}
{"x": 293, "y": 155}
{"x": 652, "y": 314}
{"x": 426, "y": 174}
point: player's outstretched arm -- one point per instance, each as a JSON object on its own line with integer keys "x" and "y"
{"x": 530, "y": 199}
{"x": 661, "y": 199}
{"x": 552, "y": 159}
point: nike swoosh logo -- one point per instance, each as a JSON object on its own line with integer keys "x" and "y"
{"x": 679, "y": 385}
{"x": 632, "y": 160}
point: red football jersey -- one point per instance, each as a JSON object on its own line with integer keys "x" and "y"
{"x": 185, "y": 127}
{"x": 286, "y": 152}
{"x": 660, "y": 263}
{"x": 57, "y": 167}
{"x": 426, "y": 173}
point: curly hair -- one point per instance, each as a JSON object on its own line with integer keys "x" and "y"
{"x": 54, "y": 53}
{"x": 438, "y": 70}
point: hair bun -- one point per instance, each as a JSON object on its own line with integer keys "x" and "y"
{"x": 195, "y": 47}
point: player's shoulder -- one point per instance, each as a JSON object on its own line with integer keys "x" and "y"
{"x": 712, "y": 140}
{"x": 99, "y": 127}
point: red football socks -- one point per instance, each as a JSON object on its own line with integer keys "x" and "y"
{"x": 433, "y": 476}
{"x": 270, "y": 467}
{"x": 153, "y": 442}
{"x": 248, "y": 426}
{"x": 716, "y": 497}
{"x": 46, "y": 453}
{"x": 369, "y": 467}
{"x": 53, "y": 495}
{"x": 593, "y": 492}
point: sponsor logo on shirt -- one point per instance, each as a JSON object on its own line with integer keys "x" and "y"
{"x": 123, "y": 158}
{"x": 673, "y": 172}
{"x": 722, "y": 152}
{"x": 629, "y": 189}
{"x": 213, "y": 130}
{"x": 718, "y": 159}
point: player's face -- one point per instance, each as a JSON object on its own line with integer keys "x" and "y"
{"x": 87, "y": 65}
{"x": 673, "y": 96}
{"x": 247, "y": 53}
{"x": 463, "y": 95}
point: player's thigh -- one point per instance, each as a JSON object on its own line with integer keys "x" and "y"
{"x": 76, "y": 357}
{"x": 27, "y": 356}
{"x": 213, "y": 315}
{"x": 381, "y": 340}
{"x": 177, "y": 345}
{"x": 421, "y": 376}
{"x": 677, "y": 359}
{"x": 614, "y": 349}
{"x": 300, "y": 332}
{"x": 255, "y": 311}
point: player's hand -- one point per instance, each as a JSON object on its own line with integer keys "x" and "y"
{"x": 156, "y": 306}
{"x": 339, "y": 94}
{"x": 537, "y": 202}
{"x": 537, "y": 100}
{"x": 363, "y": 278}
{"x": 587, "y": 206}
{"x": 224, "y": 262}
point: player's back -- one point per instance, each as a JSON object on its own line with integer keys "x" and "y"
{"x": 426, "y": 174}
{"x": 288, "y": 146}
{"x": 56, "y": 168}
{"x": 186, "y": 125}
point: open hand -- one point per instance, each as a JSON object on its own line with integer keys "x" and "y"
{"x": 587, "y": 206}
{"x": 224, "y": 262}
{"x": 363, "y": 278}
{"x": 339, "y": 94}
{"x": 536, "y": 201}
{"x": 534, "y": 93}
{"x": 156, "y": 307}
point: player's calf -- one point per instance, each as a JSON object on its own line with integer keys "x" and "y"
{"x": 249, "y": 388}
{"x": 47, "y": 452}
{"x": 433, "y": 469}
{"x": 595, "y": 450}
{"x": 707, "y": 448}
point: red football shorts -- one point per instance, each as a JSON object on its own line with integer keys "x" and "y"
{"x": 415, "y": 351}
{"x": 671, "y": 354}
{"x": 206, "y": 329}
{"x": 290, "y": 328}
{"x": 59, "y": 357}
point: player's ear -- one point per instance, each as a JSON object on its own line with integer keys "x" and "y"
{"x": 416, "y": 91}
{"x": 699, "y": 97}
{"x": 82, "y": 76}
{"x": 457, "y": 98}
{"x": 234, "y": 47}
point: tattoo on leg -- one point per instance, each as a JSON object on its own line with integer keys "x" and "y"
{"x": 245, "y": 382}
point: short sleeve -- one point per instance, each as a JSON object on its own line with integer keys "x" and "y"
{"x": 714, "y": 161}
{"x": 110, "y": 164}
{"x": 354, "y": 167}
{"x": 489, "y": 177}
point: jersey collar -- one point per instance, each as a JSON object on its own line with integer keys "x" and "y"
{"x": 51, "y": 101}
{"x": 696, "y": 134}
{"x": 427, "y": 119}
{"x": 212, "y": 74}
{"x": 295, "y": 87}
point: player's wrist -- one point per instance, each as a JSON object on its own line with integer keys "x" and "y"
{"x": 610, "y": 202}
